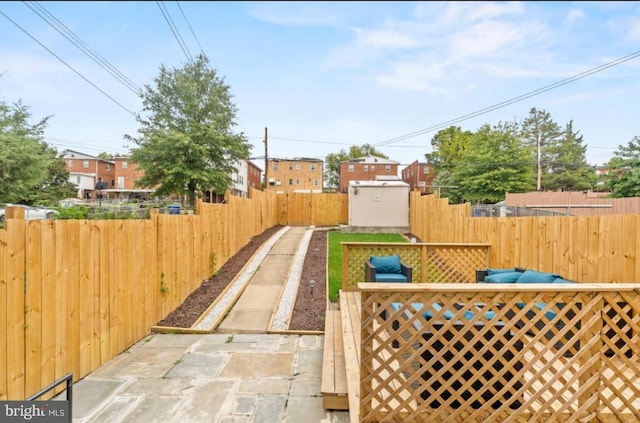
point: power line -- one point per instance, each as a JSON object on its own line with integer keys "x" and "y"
{"x": 189, "y": 25}
{"x": 174, "y": 29}
{"x": 68, "y": 65}
{"x": 77, "y": 41}
{"x": 513, "y": 100}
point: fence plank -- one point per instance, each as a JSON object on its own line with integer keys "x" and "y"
{"x": 4, "y": 300}
{"x": 33, "y": 307}
{"x": 15, "y": 261}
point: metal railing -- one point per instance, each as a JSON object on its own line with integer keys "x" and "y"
{"x": 68, "y": 379}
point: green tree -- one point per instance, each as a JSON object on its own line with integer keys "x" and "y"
{"x": 449, "y": 146}
{"x": 495, "y": 163}
{"x": 539, "y": 132}
{"x": 105, "y": 156}
{"x": 332, "y": 160}
{"x": 623, "y": 179}
{"x": 56, "y": 185}
{"x": 186, "y": 142}
{"x": 567, "y": 168}
{"x": 24, "y": 157}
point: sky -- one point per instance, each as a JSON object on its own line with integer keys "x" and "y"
{"x": 320, "y": 77}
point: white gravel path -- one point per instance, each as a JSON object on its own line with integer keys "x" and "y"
{"x": 290, "y": 291}
{"x": 230, "y": 294}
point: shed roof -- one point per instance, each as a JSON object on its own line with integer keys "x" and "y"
{"x": 361, "y": 184}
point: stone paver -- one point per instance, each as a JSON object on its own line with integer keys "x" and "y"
{"x": 218, "y": 379}
{"x": 243, "y": 376}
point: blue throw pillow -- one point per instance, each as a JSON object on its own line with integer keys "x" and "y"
{"x": 386, "y": 264}
{"x": 532, "y": 276}
{"x": 503, "y": 277}
{"x": 561, "y": 280}
{"x": 496, "y": 271}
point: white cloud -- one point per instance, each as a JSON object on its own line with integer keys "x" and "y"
{"x": 574, "y": 15}
{"x": 422, "y": 75}
{"x": 386, "y": 38}
{"x": 634, "y": 29}
{"x": 464, "y": 13}
{"x": 293, "y": 13}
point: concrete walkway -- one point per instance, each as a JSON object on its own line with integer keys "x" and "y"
{"x": 252, "y": 312}
{"x": 238, "y": 374}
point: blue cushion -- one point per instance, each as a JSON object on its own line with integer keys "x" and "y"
{"x": 503, "y": 277}
{"x": 390, "y": 277}
{"x": 540, "y": 306}
{"x": 388, "y": 264}
{"x": 448, "y": 314}
{"x": 561, "y": 280}
{"x": 495, "y": 271}
{"x": 531, "y": 276}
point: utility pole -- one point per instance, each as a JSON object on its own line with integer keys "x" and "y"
{"x": 539, "y": 178}
{"x": 266, "y": 161}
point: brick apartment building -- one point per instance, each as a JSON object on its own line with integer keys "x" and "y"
{"x": 419, "y": 176}
{"x": 85, "y": 171}
{"x": 295, "y": 175}
{"x": 254, "y": 176}
{"x": 121, "y": 174}
{"x": 366, "y": 169}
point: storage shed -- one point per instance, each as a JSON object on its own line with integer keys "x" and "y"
{"x": 378, "y": 206}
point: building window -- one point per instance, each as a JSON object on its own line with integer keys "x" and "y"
{"x": 275, "y": 167}
{"x": 350, "y": 168}
{"x": 70, "y": 163}
{"x": 425, "y": 170}
{"x": 313, "y": 167}
{"x": 85, "y": 164}
{"x": 373, "y": 168}
{"x": 297, "y": 181}
{"x": 106, "y": 166}
{"x": 316, "y": 183}
{"x": 290, "y": 181}
{"x": 297, "y": 166}
{"x": 366, "y": 168}
{"x": 290, "y": 166}
{"x": 387, "y": 168}
{"x": 125, "y": 165}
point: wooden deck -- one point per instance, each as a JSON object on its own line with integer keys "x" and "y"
{"x": 552, "y": 385}
{"x": 340, "y": 385}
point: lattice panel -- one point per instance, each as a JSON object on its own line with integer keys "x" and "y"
{"x": 355, "y": 255}
{"x": 442, "y": 262}
{"x": 489, "y": 356}
{"x": 454, "y": 264}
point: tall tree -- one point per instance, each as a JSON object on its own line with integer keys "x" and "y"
{"x": 496, "y": 163}
{"x": 539, "y": 132}
{"x": 332, "y": 167}
{"x": 567, "y": 168}
{"x": 186, "y": 142}
{"x": 24, "y": 156}
{"x": 449, "y": 146}
{"x": 623, "y": 179}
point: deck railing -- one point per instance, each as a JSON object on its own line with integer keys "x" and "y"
{"x": 498, "y": 352}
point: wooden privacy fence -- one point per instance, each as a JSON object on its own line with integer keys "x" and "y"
{"x": 75, "y": 293}
{"x": 580, "y": 248}
{"x": 431, "y": 262}
{"x": 301, "y": 209}
{"x": 499, "y": 352}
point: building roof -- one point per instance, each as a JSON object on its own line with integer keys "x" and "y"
{"x": 364, "y": 184}
{"x": 296, "y": 159}
{"x": 371, "y": 159}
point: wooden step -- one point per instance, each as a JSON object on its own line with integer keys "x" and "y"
{"x": 334, "y": 376}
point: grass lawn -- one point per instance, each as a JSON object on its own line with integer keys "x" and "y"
{"x": 335, "y": 254}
